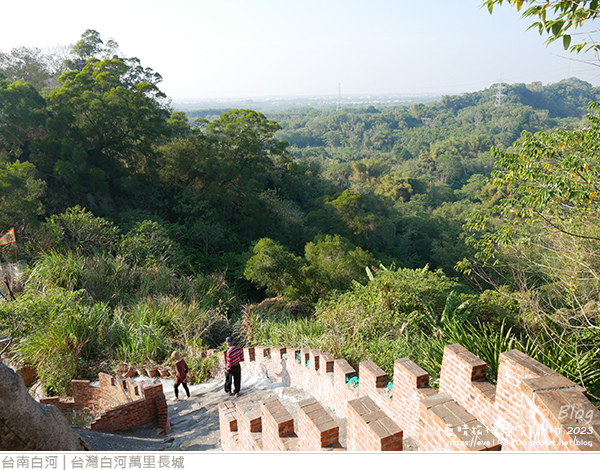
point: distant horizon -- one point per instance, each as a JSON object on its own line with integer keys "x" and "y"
{"x": 302, "y": 96}
{"x": 355, "y": 94}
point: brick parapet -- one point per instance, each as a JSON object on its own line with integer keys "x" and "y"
{"x": 261, "y": 353}
{"x": 462, "y": 376}
{"x": 372, "y": 378}
{"x": 503, "y": 411}
{"x": 117, "y": 403}
{"x": 369, "y": 429}
{"x": 556, "y": 415}
{"x": 228, "y": 427}
{"x": 80, "y": 390}
{"x": 410, "y": 386}
{"x": 513, "y": 368}
{"x": 314, "y": 357}
{"x": 278, "y": 353}
{"x": 249, "y": 354}
{"x": 277, "y": 427}
{"x": 317, "y": 430}
{"x": 106, "y": 380}
{"x": 249, "y": 422}
{"x": 447, "y": 426}
{"x": 327, "y": 363}
{"x": 66, "y": 407}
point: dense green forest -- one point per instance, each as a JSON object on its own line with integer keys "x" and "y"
{"x": 369, "y": 232}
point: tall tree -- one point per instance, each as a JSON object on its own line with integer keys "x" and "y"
{"x": 91, "y": 46}
{"x": 22, "y": 118}
{"x": 29, "y": 64}
{"x": 114, "y": 111}
{"x": 246, "y": 137}
{"x": 20, "y": 204}
{"x": 273, "y": 267}
{"x": 546, "y": 229}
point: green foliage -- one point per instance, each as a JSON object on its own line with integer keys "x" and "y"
{"x": 22, "y": 117}
{"x": 22, "y": 193}
{"x": 148, "y": 243}
{"x": 452, "y": 314}
{"x": 91, "y": 45}
{"x": 78, "y": 229}
{"x": 111, "y": 279}
{"x": 246, "y": 135}
{"x": 388, "y": 306}
{"x": 109, "y": 114}
{"x": 545, "y": 231}
{"x": 272, "y": 267}
{"x": 334, "y": 264}
{"x": 60, "y": 344}
{"x": 32, "y": 310}
{"x": 56, "y": 372}
{"x": 102, "y": 277}
{"x": 330, "y": 263}
{"x": 144, "y": 336}
{"x": 272, "y": 330}
{"x": 201, "y": 367}
{"x": 559, "y": 19}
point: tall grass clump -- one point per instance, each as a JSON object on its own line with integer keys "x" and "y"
{"x": 83, "y": 311}
{"x": 33, "y": 310}
{"x": 63, "y": 345}
{"x": 202, "y": 366}
{"x": 148, "y": 330}
{"x": 54, "y": 269}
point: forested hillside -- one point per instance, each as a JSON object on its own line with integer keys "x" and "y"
{"x": 145, "y": 229}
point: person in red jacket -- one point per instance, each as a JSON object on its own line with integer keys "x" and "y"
{"x": 181, "y": 371}
{"x": 233, "y": 371}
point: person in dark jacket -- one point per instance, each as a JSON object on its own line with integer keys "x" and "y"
{"x": 233, "y": 371}
{"x": 181, "y": 374}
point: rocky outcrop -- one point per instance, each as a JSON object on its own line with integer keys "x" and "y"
{"x": 26, "y": 425}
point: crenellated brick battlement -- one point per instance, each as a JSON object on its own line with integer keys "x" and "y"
{"x": 118, "y": 403}
{"x": 532, "y": 408}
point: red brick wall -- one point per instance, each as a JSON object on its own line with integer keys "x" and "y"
{"x": 410, "y": 386}
{"x": 447, "y": 426}
{"x": 369, "y": 429}
{"x": 277, "y": 427}
{"x": 317, "y": 430}
{"x": 118, "y": 403}
{"x": 511, "y": 415}
{"x": 463, "y": 377}
{"x": 554, "y": 414}
{"x": 249, "y": 422}
{"x": 228, "y": 427}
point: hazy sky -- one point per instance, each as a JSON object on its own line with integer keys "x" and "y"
{"x": 256, "y": 48}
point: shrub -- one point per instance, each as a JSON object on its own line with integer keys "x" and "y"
{"x": 389, "y": 303}
{"x": 148, "y": 244}
{"x": 78, "y": 229}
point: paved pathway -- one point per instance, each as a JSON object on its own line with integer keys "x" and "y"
{"x": 194, "y": 421}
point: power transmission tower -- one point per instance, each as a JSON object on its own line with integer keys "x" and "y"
{"x": 499, "y": 96}
{"x": 339, "y": 103}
